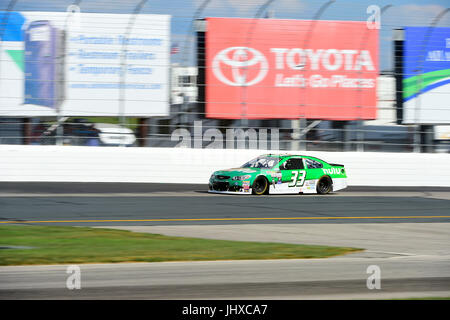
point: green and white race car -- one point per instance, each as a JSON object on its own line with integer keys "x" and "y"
{"x": 280, "y": 174}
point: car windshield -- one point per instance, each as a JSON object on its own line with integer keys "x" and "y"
{"x": 262, "y": 162}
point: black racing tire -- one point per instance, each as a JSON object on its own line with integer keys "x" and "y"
{"x": 260, "y": 186}
{"x": 324, "y": 185}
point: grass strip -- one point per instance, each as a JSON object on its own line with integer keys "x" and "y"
{"x": 76, "y": 245}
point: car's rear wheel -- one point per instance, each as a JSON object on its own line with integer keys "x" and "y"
{"x": 324, "y": 186}
{"x": 260, "y": 186}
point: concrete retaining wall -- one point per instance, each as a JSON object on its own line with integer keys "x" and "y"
{"x": 179, "y": 165}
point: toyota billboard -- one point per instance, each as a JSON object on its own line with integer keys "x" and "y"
{"x": 84, "y": 64}
{"x": 290, "y": 69}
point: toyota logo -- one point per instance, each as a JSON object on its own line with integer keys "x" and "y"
{"x": 238, "y": 60}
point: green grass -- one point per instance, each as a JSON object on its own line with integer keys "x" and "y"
{"x": 64, "y": 245}
{"x": 131, "y": 123}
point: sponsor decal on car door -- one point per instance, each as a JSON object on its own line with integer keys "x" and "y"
{"x": 293, "y": 172}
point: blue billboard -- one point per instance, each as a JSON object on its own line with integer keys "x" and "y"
{"x": 426, "y": 75}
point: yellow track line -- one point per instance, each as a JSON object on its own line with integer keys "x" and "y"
{"x": 228, "y": 219}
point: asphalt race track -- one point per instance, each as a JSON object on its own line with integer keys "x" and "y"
{"x": 405, "y": 232}
{"x": 157, "y": 204}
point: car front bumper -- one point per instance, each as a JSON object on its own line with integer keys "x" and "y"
{"x": 230, "y": 187}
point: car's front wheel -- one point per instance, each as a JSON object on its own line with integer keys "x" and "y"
{"x": 260, "y": 186}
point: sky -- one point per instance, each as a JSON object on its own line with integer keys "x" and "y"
{"x": 400, "y": 13}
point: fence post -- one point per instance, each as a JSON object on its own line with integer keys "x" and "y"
{"x": 123, "y": 61}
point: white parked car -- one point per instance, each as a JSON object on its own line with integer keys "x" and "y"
{"x": 114, "y": 134}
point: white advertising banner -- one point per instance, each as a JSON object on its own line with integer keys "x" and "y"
{"x": 84, "y": 64}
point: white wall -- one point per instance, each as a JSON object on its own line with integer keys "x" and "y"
{"x": 177, "y": 88}
{"x": 386, "y": 109}
{"x": 177, "y": 165}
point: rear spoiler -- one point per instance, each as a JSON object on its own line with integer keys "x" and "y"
{"x": 336, "y": 165}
